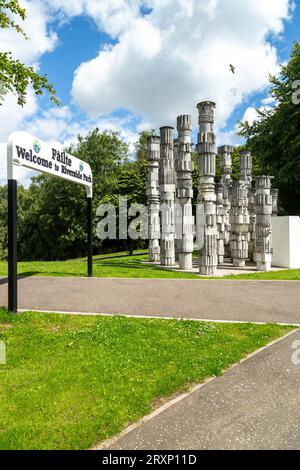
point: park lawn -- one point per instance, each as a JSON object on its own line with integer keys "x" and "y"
{"x": 73, "y": 381}
{"x": 118, "y": 265}
{"x": 284, "y": 275}
{"x": 121, "y": 265}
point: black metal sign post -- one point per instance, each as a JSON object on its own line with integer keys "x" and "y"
{"x": 90, "y": 235}
{"x": 12, "y": 247}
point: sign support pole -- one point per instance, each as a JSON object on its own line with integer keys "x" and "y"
{"x": 90, "y": 235}
{"x": 12, "y": 247}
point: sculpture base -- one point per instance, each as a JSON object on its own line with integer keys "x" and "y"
{"x": 154, "y": 258}
{"x": 208, "y": 271}
{"x": 186, "y": 261}
{"x": 167, "y": 262}
{"x": 239, "y": 263}
{"x": 264, "y": 267}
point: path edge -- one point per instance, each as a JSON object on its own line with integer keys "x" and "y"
{"x": 105, "y": 445}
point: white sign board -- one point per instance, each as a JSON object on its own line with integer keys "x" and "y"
{"x": 25, "y": 150}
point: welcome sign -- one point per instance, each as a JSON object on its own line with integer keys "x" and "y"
{"x": 25, "y": 150}
{"x": 28, "y": 151}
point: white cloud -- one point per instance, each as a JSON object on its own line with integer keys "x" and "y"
{"x": 58, "y": 126}
{"x": 41, "y": 39}
{"x": 114, "y": 17}
{"x": 167, "y": 61}
{"x": 268, "y": 100}
{"x": 162, "y": 64}
{"x": 252, "y": 115}
{"x": 12, "y": 115}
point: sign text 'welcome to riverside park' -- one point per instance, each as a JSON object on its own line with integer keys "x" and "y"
{"x": 25, "y": 150}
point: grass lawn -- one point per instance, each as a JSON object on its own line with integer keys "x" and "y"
{"x": 114, "y": 265}
{"x": 72, "y": 381}
{"x": 284, "y": 275}
{"x": 120, "y": 265}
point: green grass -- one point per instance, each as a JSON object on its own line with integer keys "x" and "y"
{"x": 284, "y": 275}
{"x": 120, "y": 265}
{"x": 72, "y": 381}
{"x": 115, "y": 265}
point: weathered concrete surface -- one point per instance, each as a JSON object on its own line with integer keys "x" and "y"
{"x": 255, "y": 405}
{"x": 276, "y": 301}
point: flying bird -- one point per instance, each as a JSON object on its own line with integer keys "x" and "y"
{"x": 232, "y": 68}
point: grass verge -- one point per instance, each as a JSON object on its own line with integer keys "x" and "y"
{"x": 284, "y": 275}
{"x": 115, "y": 265}
{"x": 72, "y": 381}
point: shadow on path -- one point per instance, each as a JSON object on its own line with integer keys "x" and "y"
{"x": 4, "y": 280}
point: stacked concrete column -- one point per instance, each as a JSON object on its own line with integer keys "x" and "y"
{"x": 226, "y": 152}
{"x": 246, "y": 167}
{"x": 177, "y": 215}
{"x": 263, "y": 209}
{"x": 252, "y": 230}
{"x": 221, "y": 222}
{"x": 206, "y": 210}
{"x": 184, "y": 171}
{"x": 246, "y": 177}
{"x": 239, "y": 222}
{"x": 153, "y": 198}
{"x": 167, "y": 196}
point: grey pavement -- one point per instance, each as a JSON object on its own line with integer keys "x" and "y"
{"x": 261, "y": 301}
{"x": 254, "y": 405}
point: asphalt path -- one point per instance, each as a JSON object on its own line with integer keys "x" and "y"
{"x": 257, "y": 301}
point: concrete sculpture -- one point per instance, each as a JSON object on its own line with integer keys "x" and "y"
{"x": 206, "y": 210}
{"x": 153, "y": 197}
{"x": 184, "y": 171}
{"x": 233, "y": 219}
{"x": 167, "y": 186}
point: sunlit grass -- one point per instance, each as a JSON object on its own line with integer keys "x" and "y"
{"x": 72, "y": 381}
{"x": 120, "y": 265}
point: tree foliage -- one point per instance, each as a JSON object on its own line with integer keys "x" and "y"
{"x": 141, "y": 145}
{"x": 52, "y": 212}
{"x": 16, "y": 77}
{"x": 274, "y": 137}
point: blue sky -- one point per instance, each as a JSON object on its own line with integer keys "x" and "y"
{"x": 129, "y": 65}
{"x": 82, "y": 35}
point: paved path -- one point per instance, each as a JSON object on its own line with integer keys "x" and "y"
{"x": 255, "y": 405}
{"x": 277, "y": 301}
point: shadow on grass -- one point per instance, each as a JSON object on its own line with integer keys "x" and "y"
{"x": 134, "y": 265}
{"x": 112, "y": 256}
{"x": 50, "y": 274}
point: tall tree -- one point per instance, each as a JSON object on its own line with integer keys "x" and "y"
{"x": 54, "y": 226}
{"x": 141, "y": 145}
{"x": 274, "y": 137}
{"x": 16, "y": 77}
